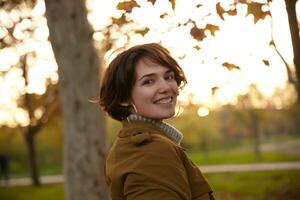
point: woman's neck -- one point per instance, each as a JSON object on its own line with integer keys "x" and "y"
{"x": 165, "y": 127}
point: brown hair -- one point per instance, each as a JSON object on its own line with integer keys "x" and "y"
{"x": 119, "y": 77}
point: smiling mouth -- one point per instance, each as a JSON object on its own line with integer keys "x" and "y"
{"x": 166, "y": 100}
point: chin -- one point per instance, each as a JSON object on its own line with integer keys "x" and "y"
{"x": 158, "y": 114}
{"x": 167, "y": 115}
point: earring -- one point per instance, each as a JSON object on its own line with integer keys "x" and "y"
{"x": 134, "y": 108}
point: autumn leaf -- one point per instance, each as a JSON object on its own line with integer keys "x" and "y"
{"x": 198, "y": 5}
{"x": 214, "y": 90}
{"x": 266, "y": 62}
{"x": 212, "y": 28}
{"x": 127, "y": 5}
{"x": 197, "y": 33}
{"x": 152, "y": 1}
{"x": 119, "y": 21}
{"x": 232, "y": 12}
{"x": 221, "y": 11}
{"x": 173, "y": 3}
{"x": 256, "y": 10}
{"x": 196, "y": 47}
{"x": 163, "y": 15}
{"x": 143, "y": 31}
{"x": 230, "y": 66}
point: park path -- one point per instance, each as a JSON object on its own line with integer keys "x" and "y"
{"x": 204, "y": 169}
{"x": 250, "y": 167}
{"x": 290, "y": 147}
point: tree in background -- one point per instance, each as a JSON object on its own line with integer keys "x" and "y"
{"x": 294, "y": 27}
{"x": 84, "y": 125}
{"x": 47, "y": 105}
{"x": 252, "y": 104}
{"x": 19, "y": 26}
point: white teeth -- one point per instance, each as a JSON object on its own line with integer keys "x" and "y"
{"x": 165, "y": 100}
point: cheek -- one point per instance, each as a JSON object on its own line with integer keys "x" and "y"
{"x": 175, "y": 88}
{"x": 140, "y": 95}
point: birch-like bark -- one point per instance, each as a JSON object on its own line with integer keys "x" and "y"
{"x": 84, "y": 125}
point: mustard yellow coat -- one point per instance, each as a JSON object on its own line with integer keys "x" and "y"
{"x": 146, "y": 164}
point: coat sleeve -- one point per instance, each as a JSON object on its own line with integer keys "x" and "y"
{"x": 159, "y": 174}
{"x": 200, "y": 189}
{"x": 139, "y": 187}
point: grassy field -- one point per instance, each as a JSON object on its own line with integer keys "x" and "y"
{"x": 265, "y": 185}
{"x": 262, "y": 185}
{"x": 213, "y": 157}
{"x": 225, "y": 156}
{"x": 244, "y": 153}
{"x": 229, "y": 157}
{"x": 45, "y": 192}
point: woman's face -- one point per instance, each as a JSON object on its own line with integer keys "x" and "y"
{"x": 155, "y": 91}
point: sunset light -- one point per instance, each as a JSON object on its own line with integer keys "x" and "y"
{"x": 238, "y": 41}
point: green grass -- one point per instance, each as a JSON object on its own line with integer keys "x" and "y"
{"x": 45, "y": 192}
{"x": 263, "y": 185}
{"x": 231, "y": 156}
{"x": 17, "y": 171}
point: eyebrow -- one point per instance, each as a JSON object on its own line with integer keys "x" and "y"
{"x": 153, "y": 74}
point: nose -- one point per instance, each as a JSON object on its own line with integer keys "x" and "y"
{"x": 164, "y": 86}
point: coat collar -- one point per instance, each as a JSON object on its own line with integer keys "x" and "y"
{"x": 135, "y": 123}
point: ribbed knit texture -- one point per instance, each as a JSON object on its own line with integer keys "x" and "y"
{"x": 165, "y": 127}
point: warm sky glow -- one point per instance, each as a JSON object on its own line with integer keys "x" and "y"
{"x": 239, "y": 41}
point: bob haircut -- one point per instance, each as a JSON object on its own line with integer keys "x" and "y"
{"x": 119, "y": 77}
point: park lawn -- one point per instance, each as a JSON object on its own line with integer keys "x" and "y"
{"x": 17, "y": 171}
{"x": 263, "y": 185}
{"x": 213, "y": 158}
{"x": 44, "y": 192}
{"x": 260, "y": 185}
{"x": 232, "y": 156}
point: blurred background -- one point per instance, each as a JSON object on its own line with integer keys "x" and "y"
{"x": 241, "y": 104}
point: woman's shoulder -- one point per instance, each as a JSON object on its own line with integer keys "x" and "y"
{"x": 142, "y": 135}
{"x": 146, "y": 142}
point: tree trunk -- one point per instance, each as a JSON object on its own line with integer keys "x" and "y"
{"x": 30, "y": 131}
{"x": 294, "y": 28}
{"x": 204, "y": 148}
{"x": 84, "y": 124}
{"x": 255, "y": 122}
{"x": 33, "y": 166}
{"x": 293, "y": 22}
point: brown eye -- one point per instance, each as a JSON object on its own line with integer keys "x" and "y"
{"x": 147, "y": 82}
{"x": 170, "y": 77}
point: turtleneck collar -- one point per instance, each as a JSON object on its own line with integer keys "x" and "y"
{"x": 165, "y": 127}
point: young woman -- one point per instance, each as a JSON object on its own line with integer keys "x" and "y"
{"x": 146, "y": 162}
